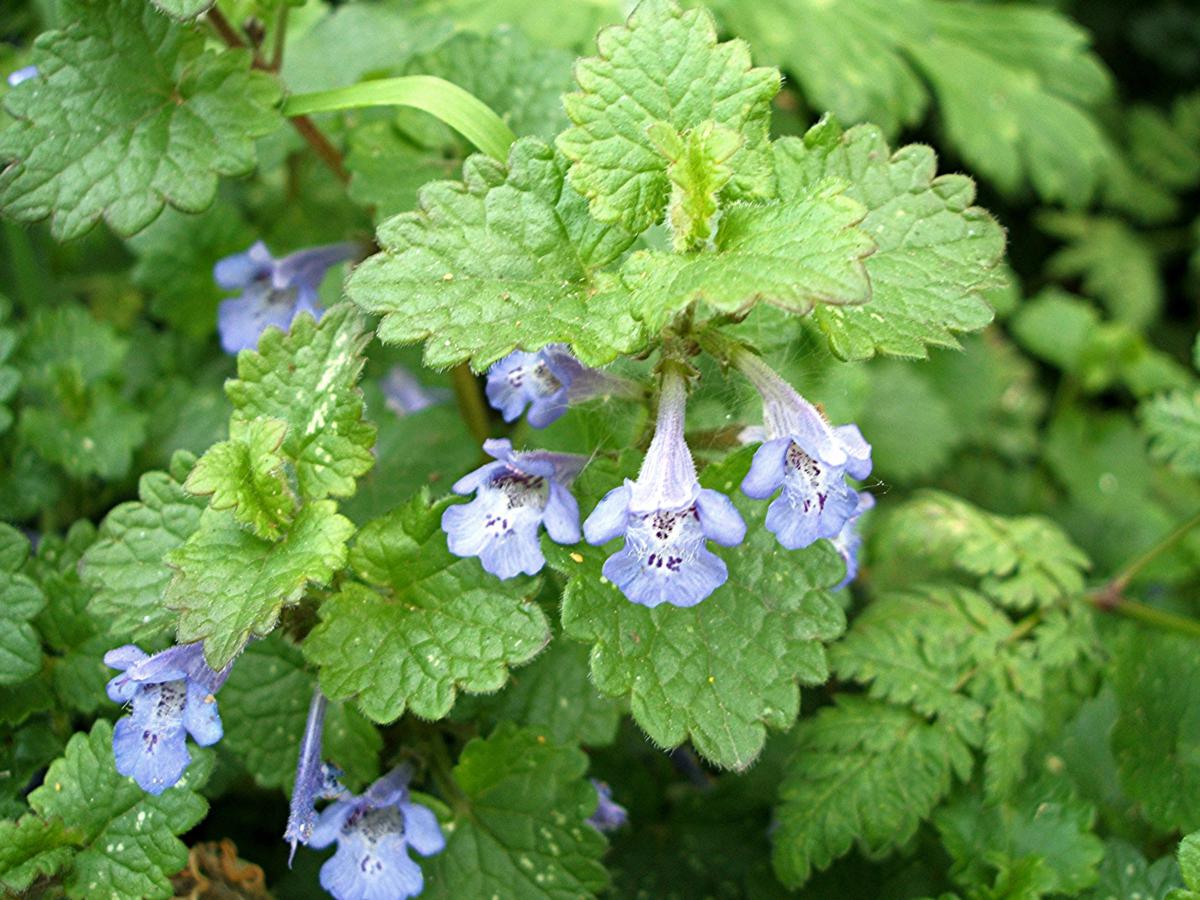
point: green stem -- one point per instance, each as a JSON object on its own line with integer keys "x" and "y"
{"x": 462, "y": 111}
{"x": 1127, "y": 574}
{"x": 280, "y": 38}
{"x": 470, "y": 402}
{"x": 1109, "y": 601}
{"x": 27, "y": 274}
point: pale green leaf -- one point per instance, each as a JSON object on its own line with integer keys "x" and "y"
{"x": 937, "y": 253}
{"x": 31, "y": 848}
{"x": 231, "y": 584}
{"x": 1173, "y": 424}
{"x": 791, "y": 254}
{"x": 20, "y": 644}
{"x": 508, "y": 258}
{"x": 129, "y": 112}
{"x": 307, "y": 378}
{"x": 433, "y": 625}
{"x": 246, "y": 474}
{"x": 663, "y": 65}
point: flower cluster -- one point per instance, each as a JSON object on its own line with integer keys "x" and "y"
{"x": 273, "y": 290}
{"x": 173, "y": 695}
{"x": 664, "y": 517}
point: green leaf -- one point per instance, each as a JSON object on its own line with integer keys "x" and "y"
{"x": 1124, "y": 873}
{"x": 572, "y": 26}
{"x": 388, "y": 167}
{"x": 1021, "y": 562}
{"x": 1040, "y": 79}
{"x": 31, "y": 848}
{"x": 264, "y": 706}
{"x": 1157, "y": 680}
{"x": 20, "y": 601}
{"x": 1116, "y": 264}
{"x": 722, "y": 672}
{"x": 1044, "y": 825}
{"x": 246, "y": 474}
{"x": 937, "y": 254}
{"x": 183, "y": 9}
{"x": 504, "y": 259}
{"x": 666, "y": 66}
{"x": 127, "y": 837}
{"x": 1189, "y": 864}
{"x": 913, "y": 431}
{"x": 232, "y": 584}
{"x": 553, "y": 695}
{"x": 861, "y": 771}
{"x": 435, "y": 624}
{"x": 129, "y": 113}
{"x": 1173, "y": 424}
{"x": 307, "y": 378}
{"x": 126, "y": 566}
{"x": 520, "y": 830}
{"x": 792, "y": 254}
{"x": 698, "y": 170}
{"x": 99, "y": 442}
{"x": 845, "y": 56}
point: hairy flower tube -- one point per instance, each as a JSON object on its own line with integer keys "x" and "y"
{"x": 609, "y": 815}
{"x": 315, "y": 779}
{"x": 805, "y": 456}
{"x": 172, "y": 693}
{"x": 273, "y": 290}
{"x": 514, "y": 497}
{"x": 666, "y": 518}
{"x": 374, "y": 832}
{"x": 547, "y": 382}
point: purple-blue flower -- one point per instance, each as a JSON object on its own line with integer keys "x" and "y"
{"x": 805, "y": 456}
{"x": 22, "y": 74}
{"x": 406, "y": 395}
{"x": 848, "y": 541}
{"x": 273, "y": 290}
{"x": 172, "y": 693}
{"x": 609, "y": 815}
{"x": 547, "y": 382}
{"x": 373, "y": 833}
{"x": 666, "y": 518}
{"x": 514, "y": 497}
{"x": 315, "y": 779}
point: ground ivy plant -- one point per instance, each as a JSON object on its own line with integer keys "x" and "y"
{"x": 523, "y": 450}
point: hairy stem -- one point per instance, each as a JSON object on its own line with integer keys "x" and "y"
{"x": 1108, "y": 600}
{"x": 330, "y": 155}
{"x": 1122, "y": 579}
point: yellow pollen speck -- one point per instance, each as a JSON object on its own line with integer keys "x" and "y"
{"x": 449, "y": 276}
{"x": 578, "y": 557}
{"x": 541, "y": 739}
{"x": 712, "y": 680}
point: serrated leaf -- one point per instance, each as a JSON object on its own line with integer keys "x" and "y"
{"x": 20, "y": 644}
{"x": 307, "y": 378}
{"x": 232, "y": 584}
{"x": 1173, "y": 423}
{"x": 126, "y": 566}
{"x": 507, "y": 258}
{"x": 264, "y": 705}
{"x": 1021, "y": 562}
{"x": 127, "y": 837}
{"x": 792, "y": 254}
{"x": 99, "y": 442}
{"x": 183, "y": 9}
{"x": 722, "y": 672}
{"x": 129, "y": 112}
{"x": 1043, "y": 825}
{"x": 861, "y": 771}
{"x": 663, "y": 65}
{"x": 31, "y": 848}
{"x": 246, "y": 474}
{"x": 1189, "y": 865}
{"x": 937, "y": 254}
{"x": 554, "y": 695}
{"x": 434, "y": 624}
{"x": 521, "y": 831}
{"x": 1157, "y": 680}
